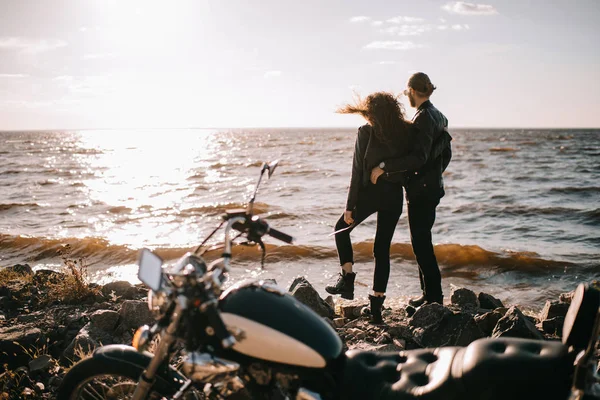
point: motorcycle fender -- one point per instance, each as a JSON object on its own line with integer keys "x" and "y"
{"x": 129, "y": 355}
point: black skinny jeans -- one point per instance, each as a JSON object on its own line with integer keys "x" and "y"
{"x": 421, "y": 216}
{"x": 385, "y": 199}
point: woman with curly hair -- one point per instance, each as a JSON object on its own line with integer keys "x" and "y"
{"x": 385, "y": 136}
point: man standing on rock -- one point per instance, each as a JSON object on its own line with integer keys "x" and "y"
{"x": 424, "y": 186}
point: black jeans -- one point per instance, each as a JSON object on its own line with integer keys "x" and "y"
{"x": 421, "y": 216}
{"x": 385, "y": 199}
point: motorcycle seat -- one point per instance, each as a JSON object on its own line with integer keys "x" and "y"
{"x": 487, "y": 369}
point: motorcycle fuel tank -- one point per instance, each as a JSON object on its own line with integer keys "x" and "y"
{"x": 276, "y": 327}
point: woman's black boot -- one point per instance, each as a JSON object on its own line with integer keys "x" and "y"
{"x": 344, "y": 286}
{"x": 375, "y": 309}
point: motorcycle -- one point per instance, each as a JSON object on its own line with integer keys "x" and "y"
{"x": 254, "y": 340}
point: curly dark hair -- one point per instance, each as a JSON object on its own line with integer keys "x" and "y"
{"x": 383, "y": 112}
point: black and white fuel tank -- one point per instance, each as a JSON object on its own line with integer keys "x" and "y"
{"x": 276, "y": 327}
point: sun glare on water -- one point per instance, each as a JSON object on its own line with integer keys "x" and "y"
{"x": 141, "y": 172}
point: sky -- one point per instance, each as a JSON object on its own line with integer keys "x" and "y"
{"x": 284, "y": 63}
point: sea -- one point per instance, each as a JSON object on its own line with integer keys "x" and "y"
{"x": 520, "y": 219}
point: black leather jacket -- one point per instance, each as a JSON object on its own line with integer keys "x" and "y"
{"x": 369, "y": 151}
{"x": 422, "y": 165}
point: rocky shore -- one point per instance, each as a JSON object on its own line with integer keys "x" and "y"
{"x": 49, "y": 320}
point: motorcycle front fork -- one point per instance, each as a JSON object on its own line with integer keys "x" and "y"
{"x": 160, "y": 355}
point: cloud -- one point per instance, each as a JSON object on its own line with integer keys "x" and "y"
{"x": 98, "y": 56}
{"x": 407, "y": 30}
{"x": 272, "y": 74}
{"x": 401, "y": 20}
{"x": 377, "y": 23}
{"x": 459, "y": 27}
{"x": 460, "y": 7}
{"x": 387, "y": 62}
{"x": 360, "y": 18}
{"x": 13, "y": 76}
{"x": 31, "y": 46}
{"x": 392, "y": 45}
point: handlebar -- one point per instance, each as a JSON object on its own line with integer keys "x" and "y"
{"x": 254, "y": 226}
{"x": 284, "y": 237}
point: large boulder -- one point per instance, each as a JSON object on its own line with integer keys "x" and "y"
{"x": 515, "y": 324}
{"x": 553, "y": 309}
{"x": 82, "y": 345}
{"x": 434, "y": 326}
{"x": 105, "y": 320}
{"x": 18, "y": 341}
{"x": 487, "y": 322}
{"x": 43, "y": 277}
{"x": 488, "y": 301}
{"x": 119, "y": 290}
{"x": 135, "y": 313}
{"x": 428, "y": 315}
{"x": 553, "y": 326}
{"x": 304, "y": 292}
{"x": 464, "y": 299}
{"x": 21, "y": 269}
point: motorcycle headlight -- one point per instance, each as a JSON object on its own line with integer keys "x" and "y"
{"x": 157, "y": 303}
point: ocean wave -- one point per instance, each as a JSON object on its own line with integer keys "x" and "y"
{"x": 564, "y": 213}
{"x": 453, "y": 258}
{"x": 10, "y": 206}
{"x": 576, "y": 189}
{"x": 218, "y": 208}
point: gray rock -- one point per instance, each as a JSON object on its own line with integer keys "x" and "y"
{"x": 304, "y": 292}
{"x": 43, "y": 276}
{"x": 119, "y": 289}
{"x": 487, "y": 322}
{"x": 33, "y": 317}
{"x": 329, "y": 300}
{"x": 41, "y": 363}
{"x": 453, "y": 329}
{"x": 384, "y": 338}
{"x": 339, "y": 322}
{"x": 553, "y": 309}
{"x": 428, "y": 315}
{"x": 135, "y": 313}
{"x": 105, "y": 320}
{"x": 81, "y": 346}
{"x": 464, "y": 298}
{"x": 16, "y": 339}
{"x": 352, "y": 309}
{"x": 515, "y": 324}
{"x": 553, "y": 326}
{"x": 488, "y": 301}
{"x": 400, "y": 331}
{"x": 23, "y": 269}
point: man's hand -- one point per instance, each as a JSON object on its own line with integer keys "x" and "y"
{"x": 375, "y": 174}
{"x": 348, "y": 217}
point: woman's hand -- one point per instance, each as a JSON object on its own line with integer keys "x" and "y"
{"x": 375, "y": 174}
{"x": 348, "y": 217}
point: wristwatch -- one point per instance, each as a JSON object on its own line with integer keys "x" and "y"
{"x": 382, "y": 165}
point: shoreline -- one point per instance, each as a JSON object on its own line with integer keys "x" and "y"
{"x": 41, "y": 335}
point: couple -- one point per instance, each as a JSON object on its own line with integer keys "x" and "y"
{"x": 392, "y": 154}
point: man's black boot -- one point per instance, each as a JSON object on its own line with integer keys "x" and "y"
{"x": 418, "y": 301}
{"x": 344, "y": 286}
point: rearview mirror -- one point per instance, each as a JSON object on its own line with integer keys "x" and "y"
{"x": 150, "y": 271}
{"x": 271, "y": 167}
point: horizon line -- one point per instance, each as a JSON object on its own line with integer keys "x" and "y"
{"x": 278, "y": 127}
